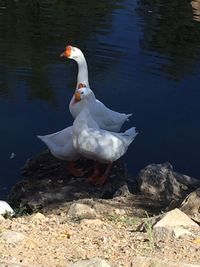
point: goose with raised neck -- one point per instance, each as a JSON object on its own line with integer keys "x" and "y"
{"x": 77, "y": 55}
{"x": 106, "y": 118}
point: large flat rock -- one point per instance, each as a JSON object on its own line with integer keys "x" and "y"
{"x": 176, "y": 218}
{"x": 47, "y": 180}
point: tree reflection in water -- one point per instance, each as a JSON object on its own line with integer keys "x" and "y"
{"x": 33, "y": 33}
{"x": 170, "y": 30}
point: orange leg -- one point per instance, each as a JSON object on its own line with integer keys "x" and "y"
{"x": 92, "y": 179}
{"x": 71, "y": 166}
{"x": 102, "y": 179}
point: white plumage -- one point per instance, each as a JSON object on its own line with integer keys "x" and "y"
{"x": 94, "y": 133}
{"x": 5, "y": 208}
{"x": 60, "y": 144}
{"x": 106, "y": 118}
{"x": 95, "y": 143}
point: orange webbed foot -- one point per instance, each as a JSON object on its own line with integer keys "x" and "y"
{"x": 77, "y": 172}
{"x": 103, "y": 178}
{"x": 93, "y": 178}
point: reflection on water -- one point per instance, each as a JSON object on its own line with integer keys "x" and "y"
{"x": 170, "y": 31}
{"x": 143, "y": 57}
{"x": 32, "y": 33}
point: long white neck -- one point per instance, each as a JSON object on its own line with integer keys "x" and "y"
{"x": 82, "y": 71}
{"x": 80, "y": 123}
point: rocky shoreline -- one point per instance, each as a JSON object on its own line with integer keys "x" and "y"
{"x": 63, "y": 221}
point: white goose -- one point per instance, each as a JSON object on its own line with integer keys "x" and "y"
{"x": 95, "y": 143}
{"x": 77, "y": 55}
{"x": 106, "y": 118}
{"x": 61, "y": 146}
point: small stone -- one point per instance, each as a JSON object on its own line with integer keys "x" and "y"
{"x": 81, "y": 211}
{"x": 119, "y": 211}
{"x": 123, "y": 191}
{"x": 162, "y": 233}
{"x": 166, "y": 233}
{"x": 11, "y": 236}
{"x": 37, "y": 217}
{"x": 94, "y": 262}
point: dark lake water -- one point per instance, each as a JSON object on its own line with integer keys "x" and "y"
{"x": 143, "y": 57}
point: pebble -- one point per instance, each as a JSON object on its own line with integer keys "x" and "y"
{"x": 11, "y": 236}
{"x": 81, "y": 211}
{"x": 37, "y": 217}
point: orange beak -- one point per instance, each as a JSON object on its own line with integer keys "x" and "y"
{"x": 67, "y": 52}
{"x": 77, "y": 96}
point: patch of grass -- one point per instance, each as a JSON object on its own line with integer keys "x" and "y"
{"x": 131, "y": 220}
{"x": 127, "y": 220}
{"x": 149, "y": 229}
{"x": 113, "y": 218}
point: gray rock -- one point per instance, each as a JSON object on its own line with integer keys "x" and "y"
{"x": 162, "y": 234}
{"x": 167, "y": 233}
{"x": 161, "y": 182}
{"x": 153, "y": 262}
{"x": 123, "y": 191}
{"x": 11, "y": 236}
{"x": 47, "y": 181}
{"x": 94, "y": 262}
{"x": 176, "y": 218}
{"x": 191, "y": 205}
{"x": 81, "y": 211}
{"x": 173, "y": 225}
